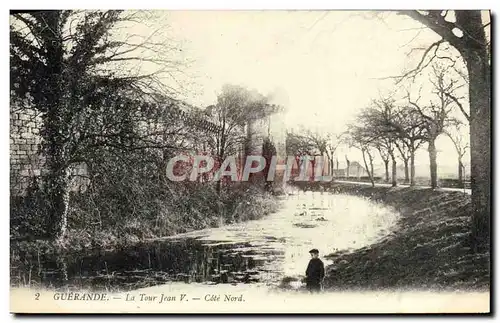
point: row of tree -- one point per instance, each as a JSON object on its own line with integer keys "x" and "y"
{"x": 395, "y": 128}
{"x": 406, "y": 125}
{"x": 467, "y": 32}
{"x": 306, "y": 142}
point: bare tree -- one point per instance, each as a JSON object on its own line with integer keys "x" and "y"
{"x": 377, "y": 121}
{"x": 315, "y": 143}
{"x": 456, "y": 134}
{"x": 362, "y": 139}
{"x": 466, "y": 32}
{"x": 407, "y": 126}
{"x": 435, "y": 115}
{"x": 384, "y": 154}
{"x": 296, "y": 144}
{"x": 393, "y": 128}
{"x": 234, "y": 114}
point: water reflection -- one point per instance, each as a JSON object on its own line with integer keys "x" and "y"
{"x": 188, "y": 260}
{"x": 260, "y": 251}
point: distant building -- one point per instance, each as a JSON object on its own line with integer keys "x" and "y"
{"x": 341, "y": 169}
{"x": 339, "y": 172}
{"x": 356, "y": 170}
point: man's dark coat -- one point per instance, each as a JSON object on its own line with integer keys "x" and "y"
{"x": 315, "y": 273}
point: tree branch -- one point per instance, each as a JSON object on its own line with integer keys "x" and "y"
{"x": 438, "y": 24}
{"x": 457, "y": 102}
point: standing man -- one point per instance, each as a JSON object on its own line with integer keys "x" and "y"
{"x": 315, "y": 272}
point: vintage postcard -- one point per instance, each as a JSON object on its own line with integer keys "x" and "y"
{"x": 250, "y": 161}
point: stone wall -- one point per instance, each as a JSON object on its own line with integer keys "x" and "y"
{"x": 25, "y": 159}
{"x": 27, "y": 162}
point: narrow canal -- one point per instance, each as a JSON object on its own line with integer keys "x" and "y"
{"x": 262, "y": 251}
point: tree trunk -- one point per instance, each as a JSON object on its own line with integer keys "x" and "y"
{"x": 480, "y": 142}
{"x": 55, "y": 134}
{"x": 372, "y": 178}
{"x": 394, "y": 172}
{"x": 313, "y": 165}
{"x": 220, "y": 160}
{"x": 218, "y": 186}
{"x": 412, "y": 168}
{"x": 407, "y": 175}
{"x": 57, "y": 185}
{"x": 386, "y": 164}
{"x": 433, "y": 162}
{"x": 370, "y": 175}
{"x": 460, "y": 171}
{"x": 58, "y": 197}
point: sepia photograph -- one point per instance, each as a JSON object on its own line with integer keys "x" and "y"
{"x": 250, "y": 161}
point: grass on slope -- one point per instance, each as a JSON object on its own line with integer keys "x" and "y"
{"x": 429, "y": 249}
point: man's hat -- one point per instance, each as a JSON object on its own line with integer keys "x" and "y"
{"x": 314, "y": 251}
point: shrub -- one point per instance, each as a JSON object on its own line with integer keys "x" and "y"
{"x": 128, "y": 201}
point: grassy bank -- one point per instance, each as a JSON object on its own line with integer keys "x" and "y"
{"x": 429, "y": 249}
{"x": 100, "y": 223}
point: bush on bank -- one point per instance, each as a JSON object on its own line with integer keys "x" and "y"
{"x": 129, "y": 201}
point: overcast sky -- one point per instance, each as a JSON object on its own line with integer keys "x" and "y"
{"x": 325, "y": 65}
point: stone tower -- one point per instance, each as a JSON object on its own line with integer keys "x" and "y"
{"x": 277, "y": 134}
